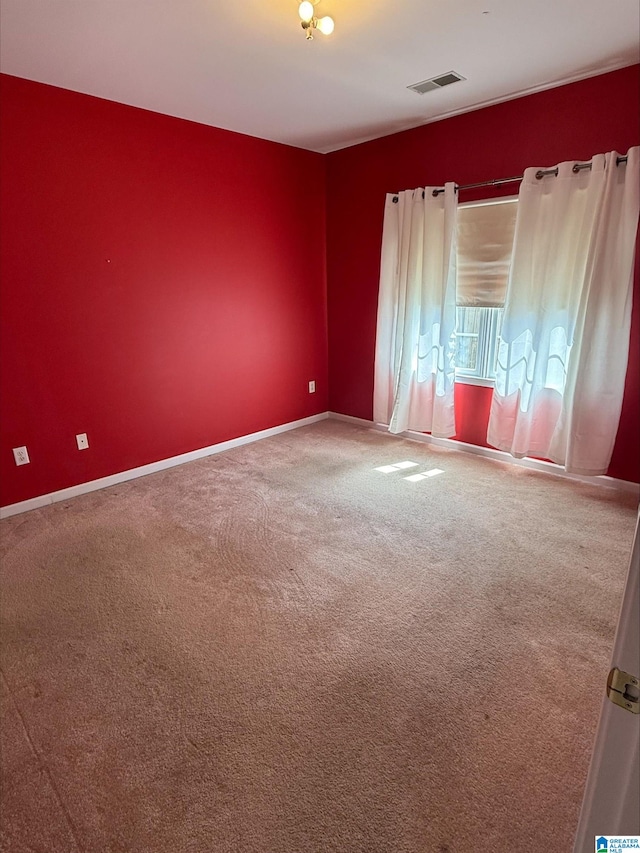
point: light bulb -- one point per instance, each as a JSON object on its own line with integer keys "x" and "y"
{"x": 305, "y": 10}
{"x": 326, "y": 25}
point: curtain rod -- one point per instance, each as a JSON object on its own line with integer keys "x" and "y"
{"x": 496, "y": 182}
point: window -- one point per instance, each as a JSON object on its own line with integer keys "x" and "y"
{"x": 477, "y": 332}
{"x": 485, "y": 240}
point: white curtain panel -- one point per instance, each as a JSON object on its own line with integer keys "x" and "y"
{"x": 415, "y": 343}
{"x": 564, "y": 345}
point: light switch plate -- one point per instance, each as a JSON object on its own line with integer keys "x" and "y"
{"x": 82, "y": 441}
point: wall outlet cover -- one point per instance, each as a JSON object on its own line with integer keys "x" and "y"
{"x": 21, "y": 455}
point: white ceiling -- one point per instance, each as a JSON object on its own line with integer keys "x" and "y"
{"x": 245, "y": 65}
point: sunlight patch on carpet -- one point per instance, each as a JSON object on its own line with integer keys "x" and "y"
{"x": 397, "y": 466}
{"x": 414, "y": 478}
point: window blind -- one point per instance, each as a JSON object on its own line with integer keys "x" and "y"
{"x": 485, "y": 241}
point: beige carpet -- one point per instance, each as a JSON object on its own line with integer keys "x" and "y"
{"x": 281, "y": 650}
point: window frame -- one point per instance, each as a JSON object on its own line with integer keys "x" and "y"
{"x": 488, "y": 324}
{"x": 487, "y": 347}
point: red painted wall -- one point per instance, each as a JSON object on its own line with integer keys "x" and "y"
{"x": 159, "y": 288}
{"x": 575, "y": 121}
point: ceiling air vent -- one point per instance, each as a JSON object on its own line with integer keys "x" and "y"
{"x": 436, "y": 82}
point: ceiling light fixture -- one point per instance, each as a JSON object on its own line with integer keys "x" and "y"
{"x": 311, "y": 23}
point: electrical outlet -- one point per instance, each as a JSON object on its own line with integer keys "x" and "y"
{"x": 312, "y": 386}
{"x": 82, "y": 441}
{"x": 21, "y": 455}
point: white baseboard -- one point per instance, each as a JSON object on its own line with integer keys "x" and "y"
{"x": 162, "y": 464}
{"x": 153, "y": 467}
{"x": 497, "y": 455}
